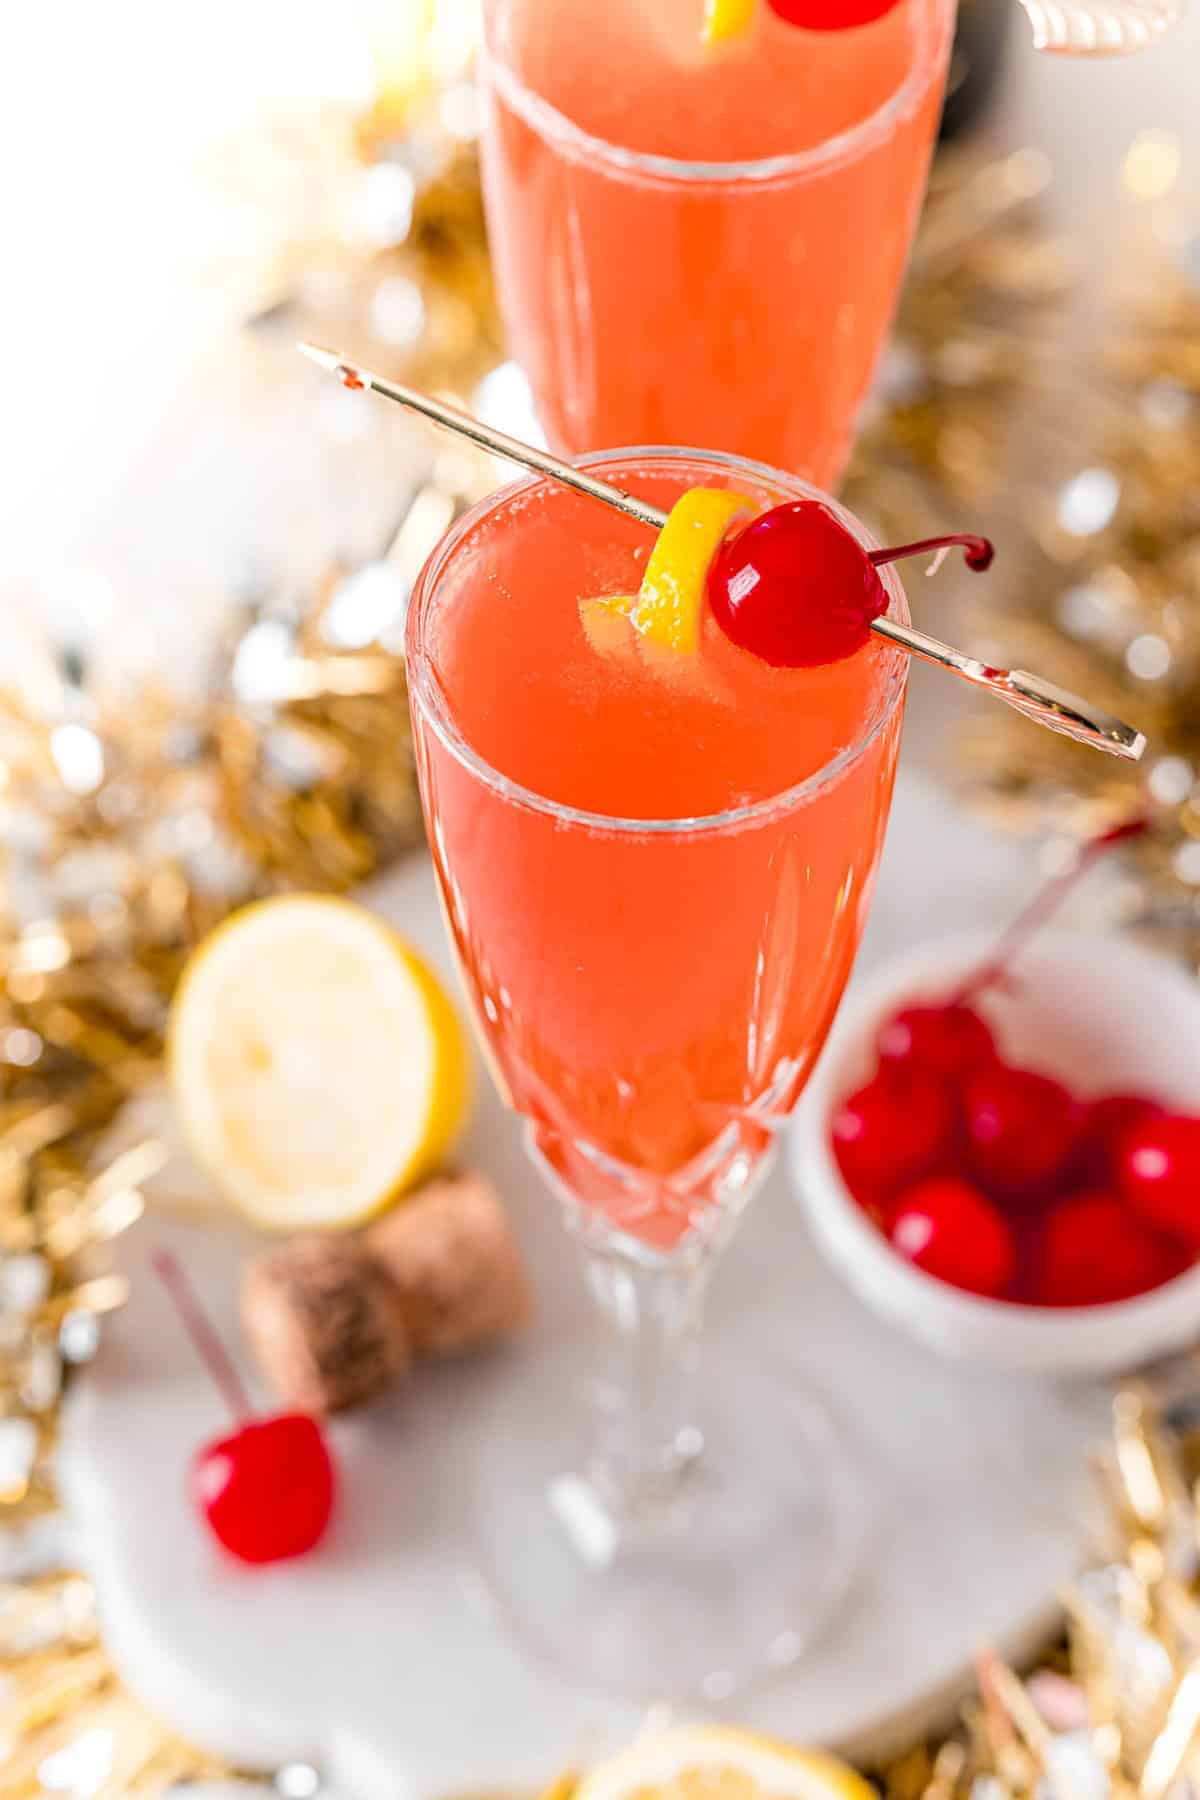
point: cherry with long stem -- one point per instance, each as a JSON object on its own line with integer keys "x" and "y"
{"x": 266, "y": 1489}
{"x": 1044, "y": 904}
{"x": 206, "y": 1343}
{"x": 948, "y": 1037}
{"x": 1102, "y": 1191}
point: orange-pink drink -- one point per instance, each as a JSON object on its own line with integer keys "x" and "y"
{"x": 656, "y": 870}
{"x": 704, "y": 244}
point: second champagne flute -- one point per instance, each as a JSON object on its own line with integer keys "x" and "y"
{"x": 703, "y": 243}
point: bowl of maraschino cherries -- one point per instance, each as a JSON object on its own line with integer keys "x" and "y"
{"x": 1000, "y": 1149}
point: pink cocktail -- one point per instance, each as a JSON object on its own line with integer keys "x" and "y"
{"x": 656, "y": 873}
{"x": 704, "y": 244}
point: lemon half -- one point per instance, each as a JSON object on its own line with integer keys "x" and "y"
{"x": 318, "y": 1066}
{"x": 700, "y": 1762}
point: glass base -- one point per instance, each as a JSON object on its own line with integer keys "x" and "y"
{"x": 728, "y": 1573}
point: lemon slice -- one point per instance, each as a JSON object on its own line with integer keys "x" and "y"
{"x": 725, "y": 19}
{"x": 670, "y": 601}
{"x": 318, "y": 1067}
{"x": 698, "y": 1761}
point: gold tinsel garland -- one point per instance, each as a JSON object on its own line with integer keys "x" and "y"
{"x": 129, "y": 829}
{"x": 977, "y": 329}
{"x": 127, "y": 839}
{"x": 1115, "y": 1709}
{"x": 1065, "y": 414}
{"x": 1110, "y": 602}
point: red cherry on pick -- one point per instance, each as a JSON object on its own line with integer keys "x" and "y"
{"x": 947, "y": 1040}
{"x": 796, "y": 589}
{"x": 266, "y": 1488}
{"x": 830, "y": 15}
{"x": 1159, "y": 1172}
{"x": 1090, "y": 1251}
{"x": 890, "y": 1131}
{"x": 1021, "y": 1127}
{"x": 951, "y": 1230}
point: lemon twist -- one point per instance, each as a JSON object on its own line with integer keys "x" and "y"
{"x": 670, "y": 602}
{"x": 726, "y": 19}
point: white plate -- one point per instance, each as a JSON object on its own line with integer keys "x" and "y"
{"x": 377, "y": 1659}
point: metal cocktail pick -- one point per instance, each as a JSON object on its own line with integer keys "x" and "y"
{"x": 1029, "y": 694}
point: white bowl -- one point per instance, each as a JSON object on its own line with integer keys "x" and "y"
{"x": 1098, "y": 1012}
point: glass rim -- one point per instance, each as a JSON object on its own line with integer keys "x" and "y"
{"x": 584, "y": 146}
{"x": 425, "y": 690}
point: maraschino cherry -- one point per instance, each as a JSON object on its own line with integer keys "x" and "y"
{"x": 950, "y": 1229}
{"x": 1090, "y": 1250}
{"x": 890, "y": 1131}
{"x": 267, "y": 1488}
{"x": 796, "y": 589}
{"x": 1021, "y": 1128}
{"x": 998, "y": 1179}
{"x": 831, "y": 15}
{"x": 1109, "y": 1122}
{"x": 948, "y": 1039}
{"x": 1159, "y": 1172}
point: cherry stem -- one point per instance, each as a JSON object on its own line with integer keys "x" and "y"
{"x": 978, "y": 551}
{"x": 1045, "y": 902}
{"x": 208, "y": 1346}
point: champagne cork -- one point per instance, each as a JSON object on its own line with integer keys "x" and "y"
{"x": 452, "y": 1257}
{"x": 325, "y": 1322}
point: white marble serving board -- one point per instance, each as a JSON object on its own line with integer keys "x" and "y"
{"x": 377, "y": 1659}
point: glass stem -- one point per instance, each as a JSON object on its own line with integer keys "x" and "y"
{"x": 648, "y": 1435}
